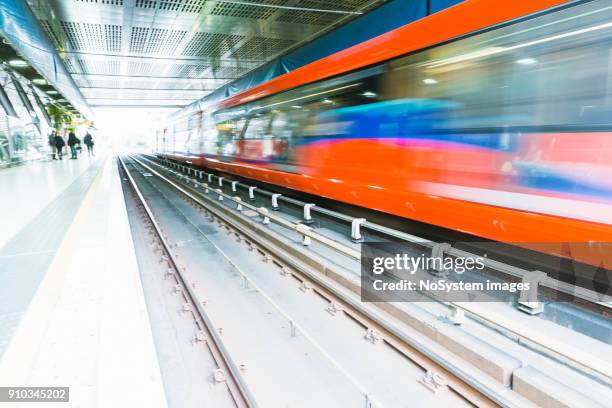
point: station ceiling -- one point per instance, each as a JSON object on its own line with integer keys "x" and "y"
{"x": 168, "y": 53}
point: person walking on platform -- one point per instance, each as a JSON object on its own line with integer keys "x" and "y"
{"x": 72, "y": 142}
{"x": 89, "y": 143}
{"x": 52, "y": 144}
{"x": 59, "y": 145}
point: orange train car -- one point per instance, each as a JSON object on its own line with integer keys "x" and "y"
{"x": 494, "y": 121}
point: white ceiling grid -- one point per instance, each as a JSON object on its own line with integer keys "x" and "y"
{"x": 172, "y": 52}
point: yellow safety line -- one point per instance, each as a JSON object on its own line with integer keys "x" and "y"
{"x": 22, "y": 351}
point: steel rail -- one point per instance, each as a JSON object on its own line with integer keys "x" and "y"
{"x": 554, "y": 347}
{"x": 238, "y": 389}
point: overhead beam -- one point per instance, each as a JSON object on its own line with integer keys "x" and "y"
{"x": 146, "y": 89}
{"x": 137, "y": 106}
{"x": 80, "y": 74}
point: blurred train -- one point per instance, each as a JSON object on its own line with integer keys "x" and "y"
{"x": 488, "y": 119}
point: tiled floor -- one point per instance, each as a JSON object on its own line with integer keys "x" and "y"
{"x": 26, "y": 190}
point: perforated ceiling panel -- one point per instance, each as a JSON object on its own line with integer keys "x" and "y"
{"x": 211, "y": 44}
{"x": 171, "y": 52}
{"x": 111, "y": 2}
{"x": 185, "y": 6}
{"x": 244, "y": 10}
{"x": 92, "y": 37}
{"x": 261, "y": 48}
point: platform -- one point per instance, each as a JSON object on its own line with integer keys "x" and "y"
{"x": 72, "y": 308}
{"x": 28, "y": 189}
{"x": 42, "y": 199}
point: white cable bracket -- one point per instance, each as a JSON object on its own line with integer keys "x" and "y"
{"x": 252, "y": 193}
{"x": 356, "y": 229}
{"x": 239, "y": 202}
{"x": 307, "y": 217}
{"x": 263, "y": 211}
{"x": 528, "y": 299}
{"x": 438, "y": 251}
{"x": 304, "y": 229}
{"x": 221, "y": 181}
{"x": 234, "y": 186}
{"x": 456, "y": 315}
{"x": 210, "y": 178}
{"x": 275, "y": 206}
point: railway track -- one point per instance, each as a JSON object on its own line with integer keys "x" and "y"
{"x": 228, "y": 372}
{"x": 456, "y": 310}
{"x": 339, "y": 290}
{"x": 360, "y": 226}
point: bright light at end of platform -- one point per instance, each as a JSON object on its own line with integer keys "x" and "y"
{"x": 131, "y": 128}
{"x": 430, "y": 81}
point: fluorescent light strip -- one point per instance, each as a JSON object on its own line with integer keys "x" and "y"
{"x": 308, "y": 96}
{"x": 499, "y": 50}
{"x": 556, "y": 22}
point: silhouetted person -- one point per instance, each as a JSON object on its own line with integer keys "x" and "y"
{"x": 52, "y": 143}
{"x": 89, "y": 142}
{"x": 72, "y": 143}
{"x": 59, "y": 145}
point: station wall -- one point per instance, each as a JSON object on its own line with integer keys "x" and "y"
{"x": 23, "y": 135}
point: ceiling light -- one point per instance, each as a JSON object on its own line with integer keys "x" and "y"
{"x": 39, "y": 81}
{"x": 309, "y": 96}
{"x": 327, "y": 101}
{"x": 526, "y": 61}
{"x": 369, "y": 94}
{"x": 430, "y": 81}
{"x": 18, "y": 63}
{"x": 52, "y": 92}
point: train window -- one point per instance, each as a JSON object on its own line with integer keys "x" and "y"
{"x": 541, "y": 72}
{"x": 258, "y": 127}
{"x": 232, "y": 128}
